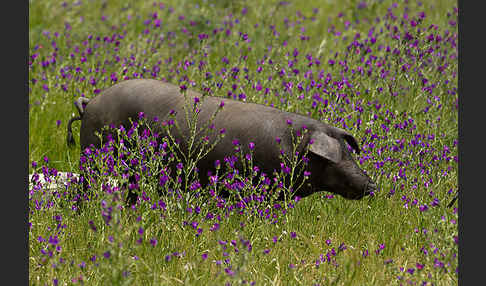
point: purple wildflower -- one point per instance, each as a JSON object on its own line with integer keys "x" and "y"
{"x": 229, "y": 271}
{"x": 423, "y": 208}
{"x": 153, "y": 241}
{"x": 107, "y": 254}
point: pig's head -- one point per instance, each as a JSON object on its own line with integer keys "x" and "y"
{"x": 334, "y": 168}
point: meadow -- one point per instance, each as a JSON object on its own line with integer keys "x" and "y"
{"x": 384, "y": 71}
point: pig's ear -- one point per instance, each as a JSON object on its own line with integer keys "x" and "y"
{"x": 351, "y": 141}
{"x": 343, "y": 134}
{"x": 325, "y": 146}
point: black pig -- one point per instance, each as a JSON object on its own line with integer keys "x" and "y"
{"x": 331, "y": 165}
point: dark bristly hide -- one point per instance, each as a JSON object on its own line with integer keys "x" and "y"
{"x": 331, "y": 165}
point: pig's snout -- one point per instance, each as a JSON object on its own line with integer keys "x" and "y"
{"x": 370, "y": 187}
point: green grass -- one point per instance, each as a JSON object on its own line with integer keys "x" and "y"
{"x": 417, "y": 160}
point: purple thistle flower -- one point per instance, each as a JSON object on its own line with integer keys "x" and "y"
{"x": 342, "y": 246}
{"x": 229, "y": 271}
{"x": 214, "y": 227}
{"x": 53, "y": 240}
{"x": 222, "y": 242}
{"x": 423, "y": 208}
{"x": 204, "y": 256}
{"x": 285, "y": 168}
{"x": 362, "y": 5}
{"x": 107, "y": 254}
{"x": 251, "y": 145}
{"x": 380, "y": 248}
{"x": 365, "y": 253}
{"x": 92, "y": 226}
{"x": 163, "y": 179}
{"x": 435, "y": 202}
{"x": 153, "y": 241}
{"x": 203, "y": 36}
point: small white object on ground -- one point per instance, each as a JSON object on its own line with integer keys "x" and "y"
{"x": 60, "y": 181}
